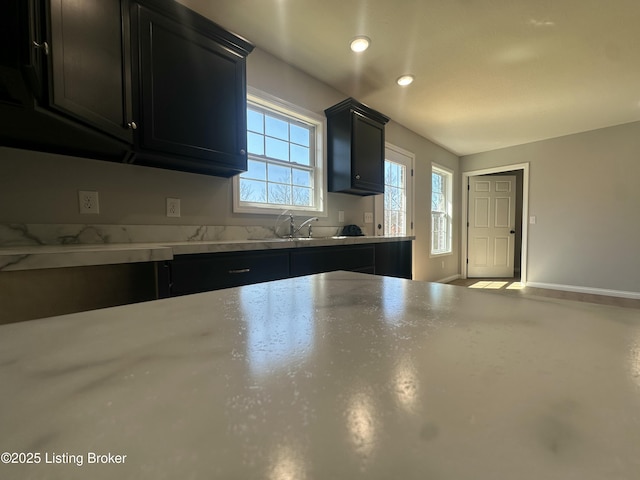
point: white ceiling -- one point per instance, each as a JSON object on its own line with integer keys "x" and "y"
{"x": 489, "y": 73}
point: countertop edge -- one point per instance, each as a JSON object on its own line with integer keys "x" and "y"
{"x": 76, "y": 255}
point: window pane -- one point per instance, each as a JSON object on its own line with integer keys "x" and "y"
{"x": 395, "y": 198}
{"x": 396, "y": 178}
{"x": 255, "y": 170}
{"x": 300, "y": 135}
{"x": 279, "y": 194}
{"x": 255, "y": 121}
{"x": 438, "y": 203}
{"x": 255, "y": 143}
{"x": 302, "y": 196}
{"x": 436, "y": 183}
{"x": 253, "y": 191}
{"x": 300, "y": 154}
{"x": 274, "y": 127}
{"x": 277, "y": 149}
{"x": 301, "y": 177}
{"x": 279, "y": 174}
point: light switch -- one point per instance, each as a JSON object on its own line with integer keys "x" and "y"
{"x": 532, "y": 219}
{"x": 340, "y": 216}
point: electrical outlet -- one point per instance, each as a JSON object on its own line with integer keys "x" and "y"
{"x": 173, "y": 207}
{"x": 368, "y": 217}
{"x": 88, "y": 202}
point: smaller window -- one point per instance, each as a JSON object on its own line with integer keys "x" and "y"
{"x": 441, "y": 208}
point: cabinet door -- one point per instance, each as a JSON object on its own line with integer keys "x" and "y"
{"x": 394, "y": 259}
{"x": 193, "y": 94}
{"x": 20, "y": 61}
{"x": 367, "y": 159}
{"x": 88, "y": 62}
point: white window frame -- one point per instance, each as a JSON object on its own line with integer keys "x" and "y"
{"x": 448, "y": 175}
{"x": 282, "y": 107}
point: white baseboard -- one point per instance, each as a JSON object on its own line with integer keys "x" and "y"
{"x": 592, "y": 291}
{"x": 448, "y": 279}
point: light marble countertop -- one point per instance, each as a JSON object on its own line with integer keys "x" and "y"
{"x": 331, "y": 376}
{"x": 31, "y": 257}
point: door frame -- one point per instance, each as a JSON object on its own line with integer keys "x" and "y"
{"x": 379, "y": 199}
{"x": 525, "y": 213}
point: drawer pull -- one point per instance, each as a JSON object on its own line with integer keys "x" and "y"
{"x": 240, "y": 270}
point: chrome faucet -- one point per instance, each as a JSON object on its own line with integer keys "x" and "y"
{"x": 292, "y": 225}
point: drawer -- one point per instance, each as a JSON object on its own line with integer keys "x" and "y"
{"x": 204, "y": 272}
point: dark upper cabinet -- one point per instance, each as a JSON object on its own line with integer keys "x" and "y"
{"x": 63, "y": 77}
{"x": 143, "y": 81}
{"x": 191, "y": 105}
{"x": 89, "y": 63}
{"x": 355, "y": 139}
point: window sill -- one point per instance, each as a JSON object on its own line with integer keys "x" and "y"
{"x": 438, "y": 255}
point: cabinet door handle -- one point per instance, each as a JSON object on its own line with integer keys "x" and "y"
{"x": 357, "y": 177}
{"x": 132, "y": 126}
{"x": 44, "y": 46}
{"x": 243, "y": 152}
{"x": 240, "y": 270}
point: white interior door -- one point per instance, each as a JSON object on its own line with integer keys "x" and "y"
{"x": 491, "y": 232}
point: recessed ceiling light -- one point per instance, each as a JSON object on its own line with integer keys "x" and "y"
{"x": 360, "y": 44}
{"x": 405, "y": 80}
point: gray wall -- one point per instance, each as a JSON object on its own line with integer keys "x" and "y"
{"x": 42, "y": 188}
{"x": 584, "y": 192}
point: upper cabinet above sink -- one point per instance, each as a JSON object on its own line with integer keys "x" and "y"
{"x": 355, "y": 148}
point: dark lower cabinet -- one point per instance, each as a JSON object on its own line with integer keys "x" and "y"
{"x": 357, "y": 258}
{"x": 394, "y": 259}
{"x": 196, "y": 273}
{"x": 203, "y": 272}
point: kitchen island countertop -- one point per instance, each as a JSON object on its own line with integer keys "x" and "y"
{"x": 338, "y": 375}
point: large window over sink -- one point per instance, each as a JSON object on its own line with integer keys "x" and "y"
{"x": 285, "y": 159}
